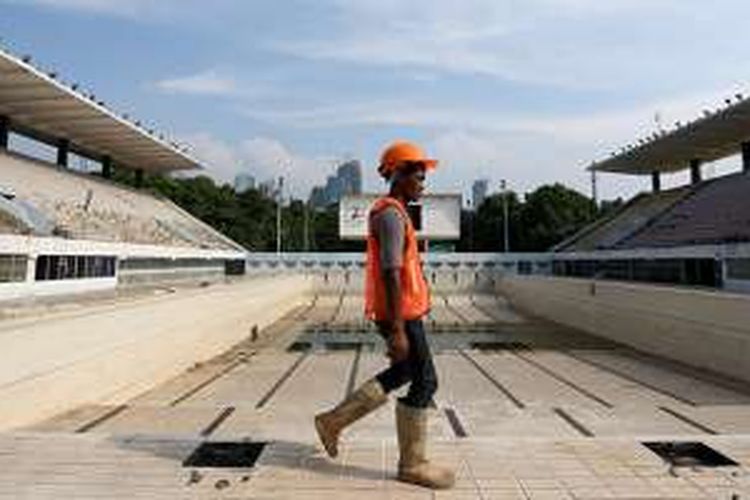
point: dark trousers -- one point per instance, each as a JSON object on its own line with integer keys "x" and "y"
{"x": 417, "y": 368}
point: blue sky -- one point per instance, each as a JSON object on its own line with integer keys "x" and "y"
{"x": 528, "y": 90}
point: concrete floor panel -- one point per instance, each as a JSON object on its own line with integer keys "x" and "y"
{"x": 563, "y": 418}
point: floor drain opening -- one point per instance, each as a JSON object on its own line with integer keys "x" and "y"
{"x": 498, "y": 346}
{"x": 225, "y": 455}
{"x": 689, "y": 454}
{"x": 342, "y": 346}
{"x": 299, "y": 347}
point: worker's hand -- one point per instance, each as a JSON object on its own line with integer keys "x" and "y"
{"x": 398, "y": 344}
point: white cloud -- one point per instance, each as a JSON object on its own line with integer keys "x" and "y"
{"x": 262, "y": 157}
{"x": 577, "y": 44}
{"x": 204, "y": 83}
{"x": 528, "y": 150}
{"x": 524, "y": 162}
{"x": 435, "y": 35}
{"x": 128, "y": 8}
{"x": 608, "y": 128}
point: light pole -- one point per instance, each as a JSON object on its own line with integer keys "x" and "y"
{"x": 306, "y": 234}
{"x": 279, "y": 199}
{"x": 470, "y": 211}
{"x": 506, "y": 240}
{"x": 594, "y": 194}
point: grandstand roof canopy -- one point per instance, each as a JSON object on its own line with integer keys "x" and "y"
{"x": 40, "y": 106}
{"x": 717, "y": 135}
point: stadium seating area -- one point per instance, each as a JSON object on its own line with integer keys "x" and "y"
{"x": 81, "y": 206}
{"x": 636, "y": 214}
{"x": 8, "y": 224}
{"x": 712, "y": 212}
{"x": 717, "y": 211}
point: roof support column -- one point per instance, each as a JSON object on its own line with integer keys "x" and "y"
{"x": 746, "y": 157}
{"x": 107, "y": 167}
{"x": 63, "y": 148}
{"x": 4, "y": 131}
{"x": 139, "y": 178}
{"x": 695, "y": 171}
{"x": 656, "y": 181}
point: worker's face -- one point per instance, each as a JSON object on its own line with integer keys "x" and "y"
{"x": 412, "y": 185}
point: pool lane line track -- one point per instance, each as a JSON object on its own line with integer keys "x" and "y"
{"x": 215, "y": 423}
{"x": 563, "y": 380}
{"x": 578, "y": 426}
{"x": 284, "y": 377}
{"x": 101, "y": 419}
{"x": 506, "y": 392}
{"x": 353, "y": 372}
{"x": 689, "y": 421}
{"x": 458, "y": 428}
{"x": 629, "y": 378}
{"x": 205, "y": 383}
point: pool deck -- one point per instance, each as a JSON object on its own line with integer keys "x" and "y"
{"x": 525, "y": 409}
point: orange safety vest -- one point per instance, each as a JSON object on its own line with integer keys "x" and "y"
{"x": 415, "y": 295}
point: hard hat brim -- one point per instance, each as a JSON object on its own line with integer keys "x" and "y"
{"x": 430, "y": 164}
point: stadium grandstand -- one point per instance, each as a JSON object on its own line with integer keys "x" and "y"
{"x": 698, "y": 234}
{"x": 62, "y": 230}
{"x": 615, "y": 366}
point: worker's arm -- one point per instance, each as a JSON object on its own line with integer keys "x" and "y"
{"x": 398, "y": 344}
{"x": 390, "y": 233}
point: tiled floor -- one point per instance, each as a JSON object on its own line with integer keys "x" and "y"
{"x": 563, "y": 417}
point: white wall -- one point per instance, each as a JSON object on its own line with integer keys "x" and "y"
{"x": 32, "y": 247}
{"x": 107, "y": 354}
{"x": 707, "y": 329}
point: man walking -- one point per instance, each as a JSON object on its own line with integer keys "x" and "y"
{"x": 396, "y": 299}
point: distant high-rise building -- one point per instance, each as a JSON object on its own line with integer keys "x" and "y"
{"x": 333, "y": 189}
{"x": 479, "y": 192}
{"x": 318, "y": 197}
{"x": 243, "y": 182}
{"x": 346, "y": 181}
{"x": 350, "y": 174}
{"x": 268, "y": 187}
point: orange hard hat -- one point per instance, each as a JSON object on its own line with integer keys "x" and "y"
{"x": 401, "y": 153}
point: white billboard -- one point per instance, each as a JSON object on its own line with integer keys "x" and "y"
{"x": 438, "y": 216}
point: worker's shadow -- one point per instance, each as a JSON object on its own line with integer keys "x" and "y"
{"x": 303, "y": 457}
{"x": 306, "y": 457}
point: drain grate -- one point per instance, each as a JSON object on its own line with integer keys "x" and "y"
{"x": 299, "y": 347}
{"x": 227, "y": 454}
{"x": 343, "y": 346}
{"x": 689, "y": 454}
{"x": 498, "y": 346}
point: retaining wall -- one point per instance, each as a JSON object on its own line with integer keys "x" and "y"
{"x": 707, "y": 329}
{"x": 110, "y": 353}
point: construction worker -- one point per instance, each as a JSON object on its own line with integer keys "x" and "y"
{"x": 396, "y": 299}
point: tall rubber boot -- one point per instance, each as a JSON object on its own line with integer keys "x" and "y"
{"x": 413, "y": 466}
{"x": 359, "y": 403}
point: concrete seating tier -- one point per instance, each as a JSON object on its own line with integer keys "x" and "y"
{"x": 717, "y": 211}
{"x": 84, "y": 207}
{"x": 8, "y": 226}
{"x": 631, "y": 218}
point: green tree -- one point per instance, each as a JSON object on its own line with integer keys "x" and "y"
{"x": 545, "y": 217}
{"x": 489, "y": 221}
{"x": 550, "y": 214}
